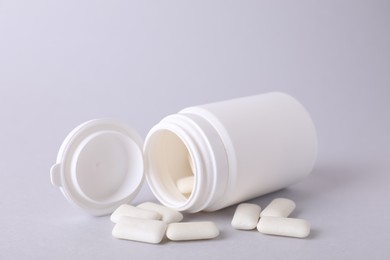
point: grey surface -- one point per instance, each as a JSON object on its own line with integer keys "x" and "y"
{"x": 64, "y": 62}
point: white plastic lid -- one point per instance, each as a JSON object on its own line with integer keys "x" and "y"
{"x": 99, "y": 166}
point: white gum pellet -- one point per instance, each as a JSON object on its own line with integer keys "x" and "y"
{"x": 185, "y": 185}
{"x": 167, "y": 215}
{"x": 192, "y": 231}
{"x": 126, "y": 210}
{"x": 279, "y": 208}
{"x": 246, "y": 216}
{"x": 291, "y": 227}
{"x": 142, "y": 230}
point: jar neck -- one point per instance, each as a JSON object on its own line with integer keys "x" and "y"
{"x": 169, "y": 144}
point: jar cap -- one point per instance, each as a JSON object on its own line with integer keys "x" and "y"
{"x": 99, "y": 166}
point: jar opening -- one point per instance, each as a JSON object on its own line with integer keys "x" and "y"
{"x": 169, "y": 161}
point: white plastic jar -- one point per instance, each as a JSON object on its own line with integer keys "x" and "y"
{"x": 236, "y": 150}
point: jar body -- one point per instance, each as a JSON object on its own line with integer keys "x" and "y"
{"x": 240, "y": 149}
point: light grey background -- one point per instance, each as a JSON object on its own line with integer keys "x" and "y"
{"x": 65, "y": 62}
